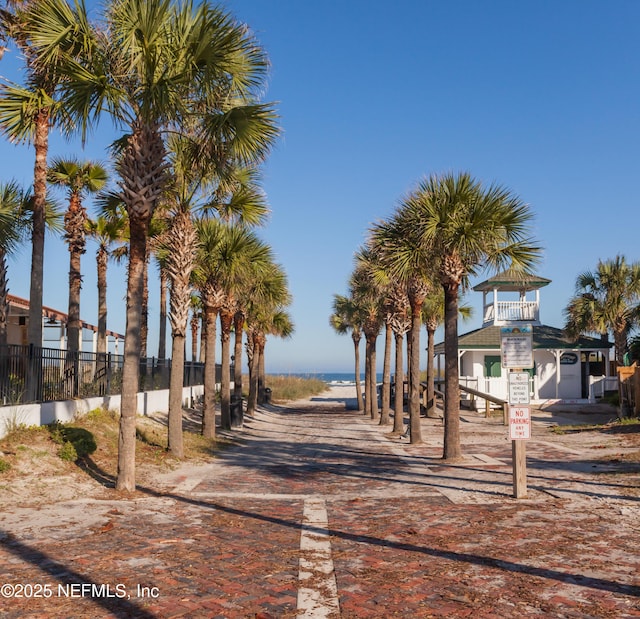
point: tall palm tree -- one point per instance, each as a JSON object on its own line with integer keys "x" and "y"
{"x": 345, "y": 319}
{"x": 400, "y": 322}
{"x": 44, "y": 31}
{"x": 606, "y": 300}
{"x": 14, "y": 227}
{"x": 265, "y": 302}
{"x": 410, "y": 265}
{"x": 105, "y": 231}
{"x": 245, "y": 257}
{"x": 155, "y": 65}
{"x": 368, "y": 296}
{"x": 179, "y": 256}
{"x": 465, "y": 227}
{"x": 79, "y": 178}
{"x": 207, "y": 280}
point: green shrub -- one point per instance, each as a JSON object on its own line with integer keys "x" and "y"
{"x": 80, "y": 440}
{"x": 68, "y": 452}
{"x": 4, "y": 465}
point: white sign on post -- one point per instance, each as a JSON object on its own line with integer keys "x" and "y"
{"x": 519, "y": 423}
{"x": 519, "y": 388}
{"x": 516, "y": 347}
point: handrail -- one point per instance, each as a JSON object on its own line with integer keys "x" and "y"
{"x": 487, "y": 397}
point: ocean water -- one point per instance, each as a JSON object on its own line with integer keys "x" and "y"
{"x": 334, "y": 378}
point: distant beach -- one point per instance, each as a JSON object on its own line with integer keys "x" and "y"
{"x": 332, "y": 378}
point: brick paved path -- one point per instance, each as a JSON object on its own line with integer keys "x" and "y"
{"x": 320, "y": 513}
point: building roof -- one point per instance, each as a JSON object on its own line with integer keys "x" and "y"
{"x": 20, "y": 307}
{"x": 544, "y": 337}
{"x": 513, "y": 281}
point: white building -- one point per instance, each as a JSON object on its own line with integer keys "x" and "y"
{"x": 564, "y": 369}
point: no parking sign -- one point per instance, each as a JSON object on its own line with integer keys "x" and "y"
{"x": 519, "y": 422}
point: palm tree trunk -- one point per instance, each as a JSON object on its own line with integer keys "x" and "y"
{"x": 203, "y": 339}
{"x": 131, "y": 365}
{"x": 226, "y": 319}
{"x": 367, "y": 377}
{"x": 252, "y": 399}
{"x": 194, "y": 336}
{"x": 34, "y": 328}
{"x": 356, "y": 346}
{"x": 101, "y": 259}
{"x": 398, "y": 414}
{"x": 209, "y": 404}
{"x": 41, "y": 143}
{"x": 373, "y": 395}
{"x": 238, "y": 325}
{"x": 74, "y": 325}
{"x": 175, "y": 439}
{"x": 262, "y": 375}
{"x": 452, "y": 449}
{"x": 162, "y": 336}
{"x": 386, "y": 377}
{"x": 431, "y": 391}
{"x": 144, "y": 320}
{"x": 414, "y": 375}
{"x": 4, "y": 299}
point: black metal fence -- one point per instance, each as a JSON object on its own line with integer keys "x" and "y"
{"x": 31, "y": 374}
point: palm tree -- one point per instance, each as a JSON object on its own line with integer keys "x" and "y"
{"x": 105, "y": 231}
{"x": 45, "y": 31}
{"x": 607, "y": 300}
{"x": 207, "y": 279}
{"x": 400, "y": 323}
{"x": 14, "y": 226}
{"x": 179, "y": 247}
{"x": 465, "y": 227}
{"x": 80, "y": 178}
{"x": 154, "y": 66}
{"x": 264, "y": 302}
{"x": 345, "y": 319}
{"x": 245, "y": 256}
{"x": 410, "y": 265}
{"x": 368, "y": 296}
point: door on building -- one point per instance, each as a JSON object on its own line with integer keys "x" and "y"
{"x": 492, "y": 366}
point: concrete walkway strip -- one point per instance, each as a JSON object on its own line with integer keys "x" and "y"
{"x": 318, "y": 591}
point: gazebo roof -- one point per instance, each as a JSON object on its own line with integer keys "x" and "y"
{"x": 544, "y": 337}
{"x": 512, "y": 281}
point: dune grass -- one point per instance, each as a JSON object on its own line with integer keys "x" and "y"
{"x": 285, "y": 388}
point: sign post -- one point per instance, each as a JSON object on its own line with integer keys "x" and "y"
{"x": 516, "y": 351}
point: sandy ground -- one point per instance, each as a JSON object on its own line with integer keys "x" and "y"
{"x": 48, "y": 490}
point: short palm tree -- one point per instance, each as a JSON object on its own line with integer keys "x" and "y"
{"x": 105, "y": 231}
{"x": 265, "y": 302}
{"x": 368, "y": 296}
{"x": 80, "y": 178}
{"x": 346, "y": 319}
{"x": 465, "y": 227}
{"x": 607, "y": 300}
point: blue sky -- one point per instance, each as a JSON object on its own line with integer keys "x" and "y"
{"x": 541, "y": 96}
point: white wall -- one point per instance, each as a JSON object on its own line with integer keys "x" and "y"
{"x": 570, "y": 386}
{"x": 49, "y": 412}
